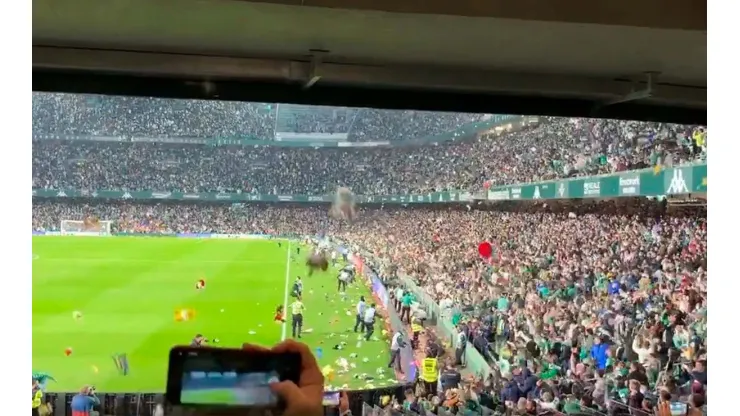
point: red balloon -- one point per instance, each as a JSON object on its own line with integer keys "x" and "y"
{"x": 485, "y": 249}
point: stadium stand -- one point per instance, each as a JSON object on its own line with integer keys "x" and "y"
{"x": 586, "y": 305}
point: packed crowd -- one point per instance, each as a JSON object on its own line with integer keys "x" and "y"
{"x": 93, "y": 115}
{"x": 594, "y": 306}
{"x": 582, "y": 307}
{"x": 554, "y": 148}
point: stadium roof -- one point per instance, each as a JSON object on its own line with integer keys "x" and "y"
{"x": 571, "y": 49}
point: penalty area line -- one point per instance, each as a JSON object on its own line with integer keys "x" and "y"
{"x": 284, "y": 329}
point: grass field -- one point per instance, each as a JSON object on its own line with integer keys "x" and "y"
{"x": 129, "y": 288}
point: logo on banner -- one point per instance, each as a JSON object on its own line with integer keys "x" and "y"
{"x": 536, "y": 194}
{"x": 592, "y": 188}
{"x": 126, "y": 195}
{"x": 61, "y": 194}
{"x": 629, "y": 185}
{"x": 678, "y": 183}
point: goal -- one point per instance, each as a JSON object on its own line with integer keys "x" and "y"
{"x": 85, "y": 227}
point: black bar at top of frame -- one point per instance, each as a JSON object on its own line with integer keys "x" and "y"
{"x": 352, "y": 96}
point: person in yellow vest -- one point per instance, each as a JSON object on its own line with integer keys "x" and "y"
{"x": 416, "y": 329}
{"x": 36, "y": 397}
{"x": 430, "y": 374}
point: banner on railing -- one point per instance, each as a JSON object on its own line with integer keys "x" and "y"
{"x": 679, "y": 180}
{"x": 236, "y": 197}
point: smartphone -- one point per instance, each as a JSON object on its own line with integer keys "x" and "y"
{"x": 224, "y": 377}
{"x": 679, "y": 409}
{"x": 331, "y": 399}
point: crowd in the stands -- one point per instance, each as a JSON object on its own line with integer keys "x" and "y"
{"x": 603, "y": 303}
{"x": 551, "y": 148}
{"x": 582, "y": 307}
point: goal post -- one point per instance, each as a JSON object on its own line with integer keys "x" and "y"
{"x": 85, "y": 227}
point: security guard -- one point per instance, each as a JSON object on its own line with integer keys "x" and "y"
{"x": 359, "y": 323}
{"x": 369, "y": 321}
{"x": 36, "y": 396}
{"x": 416, "y": 329}
{"x": 297, "y": 309}
{"x": 430, "y": 375}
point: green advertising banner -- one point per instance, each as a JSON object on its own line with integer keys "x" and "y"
{"x": 668, "y": 181}
{"x": 648, "y": 182}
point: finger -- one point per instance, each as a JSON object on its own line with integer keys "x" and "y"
{"x": 254, "y": 348}
{"x": 286, "y": 390}
{"x": 307, "y": 358}
{"x": 310, "y": 372}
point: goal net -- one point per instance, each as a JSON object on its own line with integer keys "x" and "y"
{"x": 85, "y": 227}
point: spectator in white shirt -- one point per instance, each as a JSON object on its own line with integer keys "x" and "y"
{"x": 359, "y": 322}
{"x": 342, "y": 280}
{"x": 369, "y": 321}
{"x": 397, "y": 342}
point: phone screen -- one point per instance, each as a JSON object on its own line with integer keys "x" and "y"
{"x": 228, "y": 388}
{"x": 224, "y": 377}
{"x": 331, "y": 399}
{"x": 678, "y": 409}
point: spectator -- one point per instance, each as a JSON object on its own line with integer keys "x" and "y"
{"x": 83, "y": 403}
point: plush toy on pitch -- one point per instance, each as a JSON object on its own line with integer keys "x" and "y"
{"x": 121, "y": 363}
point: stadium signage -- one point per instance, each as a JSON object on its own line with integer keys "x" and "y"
{"x": 161, "y": 195}
{"x": 592, "y": 188}
{"x": 677, "y": 181}
{"x": 681, "y": 180}
{"x": 191, "y": 196}
{"x": 285, "y": 197}
{"x": 498, "y": 195}
{"x": 222, "y": 196}
{"x": 629, "y": 185}
{"x": 516, "y": 193}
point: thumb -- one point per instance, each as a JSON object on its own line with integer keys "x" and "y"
{"x": 287, "y": 390}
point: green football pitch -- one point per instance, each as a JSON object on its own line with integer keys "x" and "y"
{"x": 128, "y": 289}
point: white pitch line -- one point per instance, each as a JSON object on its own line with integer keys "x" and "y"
{"x": 284, "y": 333}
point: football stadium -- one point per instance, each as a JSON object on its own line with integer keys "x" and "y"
{"x": 515, "y": 262}
{"x": 98, "y": 300}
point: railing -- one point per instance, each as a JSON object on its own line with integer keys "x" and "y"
{"x": 145, "y": 404}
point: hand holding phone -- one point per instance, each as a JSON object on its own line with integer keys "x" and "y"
{"x": 304, "y": 397}
{"x": 222, "y": 377}
{"x": 330, "y": 399}
{"x": 300, "y": 390}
